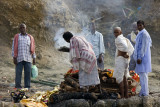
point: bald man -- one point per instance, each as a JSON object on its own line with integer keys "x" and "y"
{"x": 23, "y": 50}
{"x": 124, "y": 50}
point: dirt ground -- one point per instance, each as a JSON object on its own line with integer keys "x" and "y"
{"x": 55, "y": 74}
{"x": 54, "y": 69}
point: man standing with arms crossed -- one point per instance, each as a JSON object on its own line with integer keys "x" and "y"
{"x": 23, "y": 50}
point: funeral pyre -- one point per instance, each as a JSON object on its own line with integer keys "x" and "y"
{"x": 70, "y": 88}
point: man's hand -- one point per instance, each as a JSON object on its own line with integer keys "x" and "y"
{"x": 15, "y": 61}
{"x": 34, "y": 61}
{"x": 100, "y": 58}
{"x": 126, "y": 56}
{"x": 139, "y": 61}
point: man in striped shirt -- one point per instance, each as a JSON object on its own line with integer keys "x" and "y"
{"x": 23, "y": 50}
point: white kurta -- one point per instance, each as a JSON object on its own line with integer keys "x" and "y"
{"x": 121, "y": 63}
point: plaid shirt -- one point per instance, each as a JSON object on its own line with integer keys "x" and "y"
{"x": 24, "y": 53}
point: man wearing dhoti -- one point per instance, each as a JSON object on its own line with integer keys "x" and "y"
{"x": 142, "y": 56}
{"x": 124, "y": 50}
{"x": 83, "y": 59}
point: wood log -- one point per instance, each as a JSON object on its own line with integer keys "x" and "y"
{"x": 110, "y": 90}
{"x": 111, "y": 80}
{"x": 75, "y": 79}
{"x": 62, "y": 85}
{"x": 72, "y": 82}
{"x": 94, "y": 89}
{"x": 109, "y": 85}
{"x": 56, "y": 98}
{"x": 69, "y": 88}
{"x": 108, "y": 95}
{"x": 72, "y": 76}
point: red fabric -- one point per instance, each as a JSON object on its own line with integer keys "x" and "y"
{"x": 135, "y": 77}
{"x": 72, "y": 71}
{"x": 16, "y": 45}
{"x": 134, "y": 89}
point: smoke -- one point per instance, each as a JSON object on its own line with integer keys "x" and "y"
{"x": 95, "y": 6}
{"x": 59, "y": 41}
{"x": 75, "y": 15}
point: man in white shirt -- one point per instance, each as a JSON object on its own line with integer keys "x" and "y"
{"x": 96, "y": 39}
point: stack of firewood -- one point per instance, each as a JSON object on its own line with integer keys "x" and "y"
{"x": 108, "y": 84}
{"x": 70, "y": 88}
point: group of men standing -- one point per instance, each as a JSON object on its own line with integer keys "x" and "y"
{"x": 131, "y": 54}
{"x": 87, "y": 54}
{"x": 134, "y": 53}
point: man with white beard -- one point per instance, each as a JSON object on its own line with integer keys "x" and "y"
{"x": 124, "y": 50}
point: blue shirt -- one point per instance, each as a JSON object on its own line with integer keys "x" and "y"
{"x": 143, "y": 52}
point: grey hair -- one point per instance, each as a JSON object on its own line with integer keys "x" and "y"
{"x": 118, "y": 28}
{"x": 23, "y": 25}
